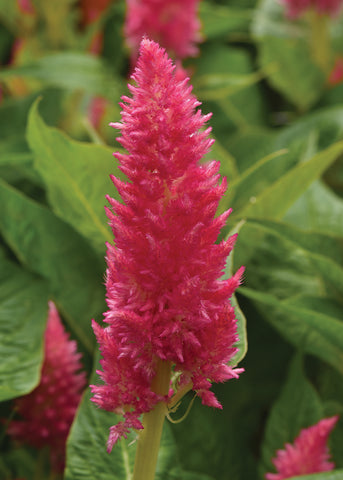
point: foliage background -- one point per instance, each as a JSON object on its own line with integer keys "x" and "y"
{"x": 278, "y": 126}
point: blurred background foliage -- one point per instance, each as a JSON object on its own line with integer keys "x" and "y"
{"x": 278, "y": 124}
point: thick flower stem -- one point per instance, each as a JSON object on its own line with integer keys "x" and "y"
{"x": 149, "y": 438}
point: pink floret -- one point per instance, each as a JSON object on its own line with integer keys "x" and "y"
{"x": 173, "y": 24}
{"x": 308, "y": 454}
{"x": 48, "y": 411}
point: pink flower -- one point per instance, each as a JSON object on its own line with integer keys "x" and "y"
{"x": 48, "y": 411}
{"x": 308, "y": 454}
{"x": 336, "y": 75}
{"x": 173, "y": 24}
{"x": 165, "y": 298}
{"x": 326, "y": 7}
{"x": 91, "y": 10}
{"x": 26, "y": 7}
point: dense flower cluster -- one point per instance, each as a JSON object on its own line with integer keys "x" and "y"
{"x": 327, "y": 7}
{"x": 48, "y": 411}
{"x": 308, "y": 454}
{"x": 166, "y": 301}
{"x": 174, "y": 25}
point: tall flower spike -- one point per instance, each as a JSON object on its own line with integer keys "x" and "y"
{"x": 48, "y": 411}
{"x": 308, "y": 454}
{"x": 173, "y": 24}
{"x": 165, "y": 299}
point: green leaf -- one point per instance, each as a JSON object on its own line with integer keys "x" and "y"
{"x": 87, "y": 457}
{"x": 318, "y": 209}
{"x": 14, "y": 112}
{"x": 323, "y": 252}
{"x": 51, "y": 248}
{"x": 285, "y": 45}
{"x": 23, "y": 314}
{"x": 70, "y": 70}
{"x": 219, "y": 20}
{"x": 274, "y": 202}
{"x": 297, "y": 407}
{"x": 334, "y": 475}
{"x": 253, "y": 181}
{"x": 317, "y": 333}
{"x": 242, "y": 343}
{"x": 76, "y": 176}
{"x": 86, "y": 448}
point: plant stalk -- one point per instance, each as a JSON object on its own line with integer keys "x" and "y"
{"x": 150, "y": 437}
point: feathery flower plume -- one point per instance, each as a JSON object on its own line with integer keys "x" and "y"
{"x": 173, "y": 24}
{"x": 166, "y": 301}
{"x": 295, "y": 8}
{"x": 48, "y": 411}
{"x": 308, "y": 454}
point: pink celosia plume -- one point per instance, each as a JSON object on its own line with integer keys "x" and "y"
{"x": 308, "y": 454}
{"x": 48, "y": 411}
{"x": 166, "y": 299}
{"x": 173, "y": 24}
{"x": 295, "y": 8}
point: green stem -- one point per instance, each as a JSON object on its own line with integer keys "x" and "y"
{"x": 320, "y": 39}
{"x": 149, "y": 438}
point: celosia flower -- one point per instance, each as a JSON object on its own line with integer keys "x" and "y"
{"x": 336, "y": 75}
{"x": 173, "y": 24}
{"x": 295, "y": 8}
{"x": 166, "y": 299}
{"x": 308, "y": 454}
{"x": 48, "y": 411}
{"x": 26, "y": 7}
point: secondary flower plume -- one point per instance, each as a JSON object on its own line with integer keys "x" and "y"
{"x": 308, "y": 454}
{"x": 48, "y": 411}
{"x": 166, "y": 301}
{"x": 327, "y": 7}
{"x": 173, "y": 24}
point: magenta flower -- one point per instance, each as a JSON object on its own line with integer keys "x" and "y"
{"x": 173, "y": 24}
{"x": 166, "y": 301}
{"x": 308, "y": 454}
{"x": 48, "y": 411}
{"x": 295, "y": 8}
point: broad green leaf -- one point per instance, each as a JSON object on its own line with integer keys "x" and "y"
{"x": 318, "y": 209}
{"x": 219, "y": 20}
{"x": 76, "y": 176}
{"x": 334, "y": 475}
{"x": 16, "y": 162}
{"x": 317, "y": 333}
{"x": 274, "y": 265}
{"x": 285, "y": 45}
{"x": 14, "y": 111}
{"x": 253, "y": 180}
{"x": 326, "y": 124}
{"x": 51, "y": 248}
{"x": 217, "y": 86}
{"x": 242, "y": 343}
{"x": 297, "y": 407}
{"x": 238, "y": 102}
{"x": 70, "y": 70}
{"x": 324, "y": 252}
{"x": 87, "y": 457}
{"x": 23, "y": 314}
{"x": 274, "y": 202}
